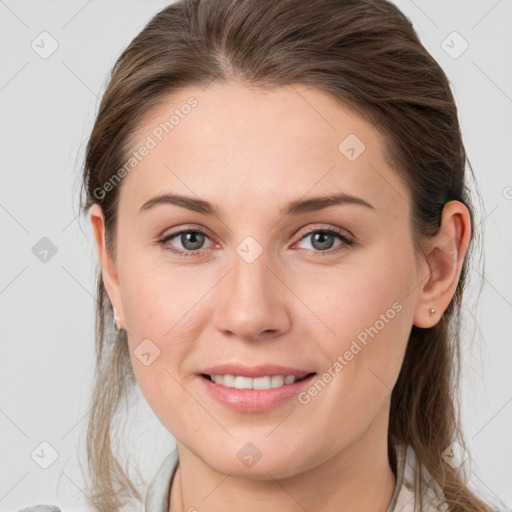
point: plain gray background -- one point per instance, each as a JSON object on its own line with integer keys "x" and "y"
{"x": 47, "y": 308}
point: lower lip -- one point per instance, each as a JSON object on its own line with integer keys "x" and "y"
{"x": 253, "y": 400}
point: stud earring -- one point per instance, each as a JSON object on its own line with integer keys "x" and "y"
{"x": 432, "y": 311}
{"x": 116, "y": 321}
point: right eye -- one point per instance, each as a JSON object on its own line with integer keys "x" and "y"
{"x": 191, "y": 241}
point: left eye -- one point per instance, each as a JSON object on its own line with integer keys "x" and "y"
{"x": 322, "y": 239}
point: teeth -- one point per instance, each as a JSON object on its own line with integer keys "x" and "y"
{"x": 239, "y": 382}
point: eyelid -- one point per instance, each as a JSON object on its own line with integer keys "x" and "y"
{"x": 319, "y": 227}
{"x": 301, "y": 233}
{"x": 186, "y": 229}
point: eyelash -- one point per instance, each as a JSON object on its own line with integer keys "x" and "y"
{"x": 347, "y": 242}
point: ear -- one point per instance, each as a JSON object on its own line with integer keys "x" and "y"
{"x": 108, "y": 269}
{"x": 445, "y": 256}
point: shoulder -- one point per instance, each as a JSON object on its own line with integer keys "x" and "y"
{"x": 41, "y": 508}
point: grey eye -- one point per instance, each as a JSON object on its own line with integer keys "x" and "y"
{"x": 190, "y": 240}
{"x": 321, "y": 240}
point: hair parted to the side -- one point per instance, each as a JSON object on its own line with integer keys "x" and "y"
{"x": 365, "y": 54}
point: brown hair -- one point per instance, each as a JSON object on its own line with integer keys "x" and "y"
{"x": 365, "y": 54}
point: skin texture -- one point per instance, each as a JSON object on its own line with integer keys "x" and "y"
{"x": 250, "y": 152}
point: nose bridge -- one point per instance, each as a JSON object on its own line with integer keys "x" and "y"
{"x": 250, "y": 273}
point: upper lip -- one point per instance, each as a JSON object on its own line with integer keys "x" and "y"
{"x": 254, "y": 371}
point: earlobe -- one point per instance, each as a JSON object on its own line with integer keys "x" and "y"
{"x": 108, "y": 267}
{"x": 444, "y": 260}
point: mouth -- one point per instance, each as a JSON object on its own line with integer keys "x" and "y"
{"x": 264, "y": 382}
{"x": 253, "y": 389}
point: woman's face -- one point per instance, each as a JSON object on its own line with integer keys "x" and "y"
{"x": 273, "y": 279}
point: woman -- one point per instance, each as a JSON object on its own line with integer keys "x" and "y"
{"x": 279, "y": 206}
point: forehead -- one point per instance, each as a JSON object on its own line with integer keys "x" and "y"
{"x": 230, "y": 143}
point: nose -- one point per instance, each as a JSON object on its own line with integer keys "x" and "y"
{"x": 251, "y": 301}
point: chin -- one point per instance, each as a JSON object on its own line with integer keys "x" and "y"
{"x": 252, "y": 464}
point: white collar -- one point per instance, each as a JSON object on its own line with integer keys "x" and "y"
{"x": 403, "y": 500}
{"x": 406, "y": 499}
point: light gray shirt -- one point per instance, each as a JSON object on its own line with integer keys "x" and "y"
{"x": 156, "y": 497}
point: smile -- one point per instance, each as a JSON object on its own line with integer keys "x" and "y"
{"x": 259, "y": 383}
{"x": 258, "y": 393}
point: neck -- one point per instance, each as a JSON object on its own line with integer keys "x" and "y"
{"x": 358, "y": 478}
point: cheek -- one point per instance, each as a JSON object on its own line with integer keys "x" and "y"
{"x": 365, "y": 310}
{"x": 157, "y": 295}
{"x": 369, "y": 318}
{"x": 164, "y": 311}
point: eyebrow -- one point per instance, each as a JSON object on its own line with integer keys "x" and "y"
{"x": 296, "y": 207}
